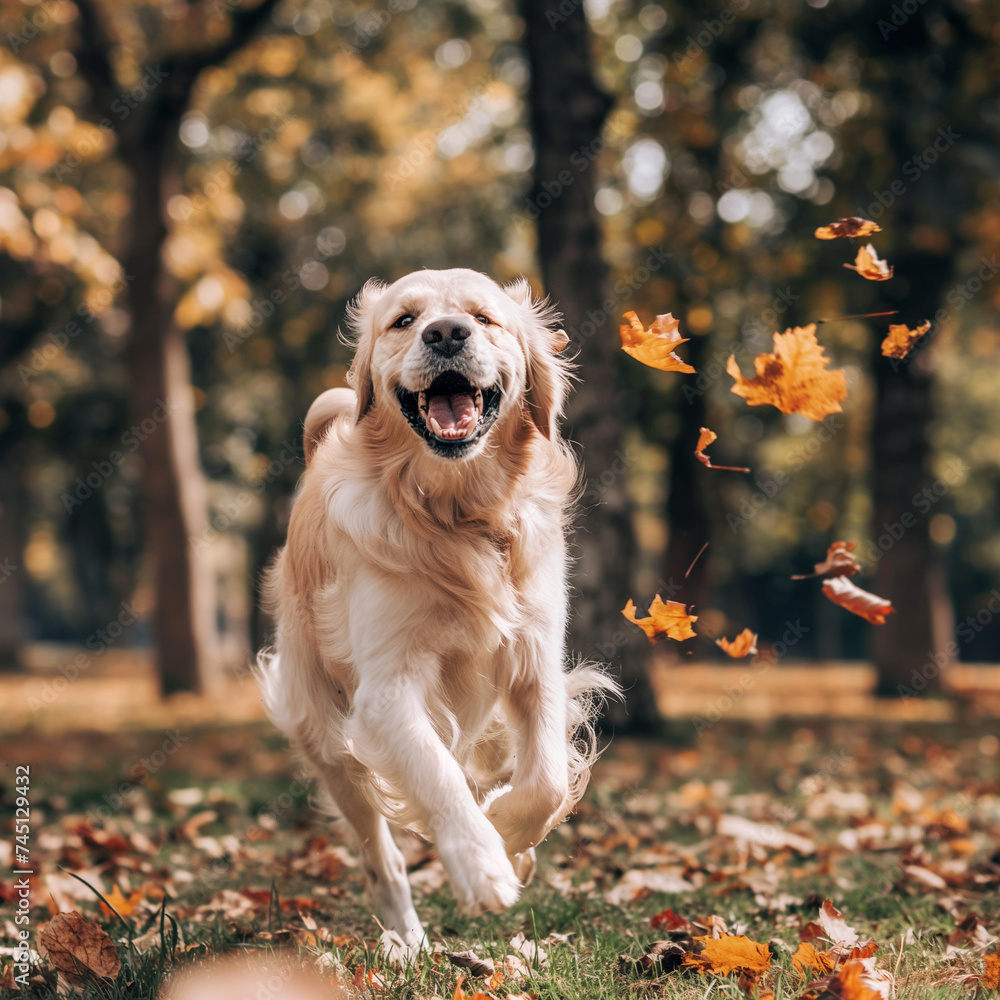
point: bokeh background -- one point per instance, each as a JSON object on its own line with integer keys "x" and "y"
{"x": 191, "y": 192}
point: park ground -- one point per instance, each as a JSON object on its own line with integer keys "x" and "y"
{"x": 199, "y": 833}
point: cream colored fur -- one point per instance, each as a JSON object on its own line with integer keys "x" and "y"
{"x": 421, "y": 603}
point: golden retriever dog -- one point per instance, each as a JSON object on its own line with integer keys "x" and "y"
{"x": 421, "y": 598}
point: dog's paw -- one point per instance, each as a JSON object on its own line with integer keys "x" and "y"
{"x": 481, "y": 875}
{"x": 524, "y": 866}
{"x": 401, "y": 952}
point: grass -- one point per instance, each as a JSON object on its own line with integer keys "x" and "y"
{"x": 225, "y": 812}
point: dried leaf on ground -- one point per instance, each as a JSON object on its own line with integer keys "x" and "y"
{"x": 852, "y": 982}
{"x": 765, "y": 834}
{"x": 731, "y": 953}
{"x": 807, "y": 960}
{"x": 121, "y": 904}
{"x": 901, "y": 339}
{"x": 79, "y": 948}
{"x": 705, "y": 438}
{"x": 654, "y": 347}
{"x": 647, "y": 880}
{"x": 794, "y": 378}
{"x": 840, "y": 561}
{"x": 990, "y": 979}
{"x": 745, "y": 644}
{"x": 831, "y": 925}
{"x": 470, "y": 960}
{"x": 670, "y": 619}
{"x": 850, "y": 227}
{"x": 869, "y": 606}
{"x": 868, "y": 265}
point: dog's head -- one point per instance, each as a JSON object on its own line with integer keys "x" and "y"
{"x": 451, "y": 354}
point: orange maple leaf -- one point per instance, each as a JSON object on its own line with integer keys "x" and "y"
{"x": 655, "y": 346}
{"x": 902, "y": 339}
{"x": 120, "y": 903}
{"x": 705, "y": 438}
{"x": 670, "y": 619}
{"x": 807, "y": 959}
{"x": 868, "y": 265}
{"x": 850, "y": 227}
{"x": 745, "y": 644}
{"x": 729, "y": 953}
{"x": 871, "y": 607}
{"x": 795, "y": 378}
{"x": 849, "y": 984}
{"x": 839, "y": 561}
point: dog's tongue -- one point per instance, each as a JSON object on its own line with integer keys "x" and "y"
{"x": 450, "y": 411}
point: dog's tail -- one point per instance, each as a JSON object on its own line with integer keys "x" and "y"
{"x": 589, "y": 688}
{"x": 326, "y": 408}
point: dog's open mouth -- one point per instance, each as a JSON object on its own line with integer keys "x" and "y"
{"x": 451, "y": 413}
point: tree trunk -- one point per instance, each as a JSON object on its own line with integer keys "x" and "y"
{"x": 176, "y": 526}
{"x": 567, "y": 113}
{"x": 909, "y": 571}
{"x": 12, "y": 509}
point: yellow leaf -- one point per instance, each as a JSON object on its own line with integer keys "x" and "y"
{"x": 902, "y": 339}
{"x": 745, "y": 644}
{"x": 847, "y": 228}
{"x": 868, "y": 265}
{"x": 654, "y": 347}
{"x": 730, "y": 953}
{"x": 670, "y": 619}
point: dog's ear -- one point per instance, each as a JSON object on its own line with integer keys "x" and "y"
{"x": 548, "y": 374}
{"x": 362, "y": 338}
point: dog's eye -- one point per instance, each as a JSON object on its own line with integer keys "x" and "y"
{"x": 405, "y": 320}
{"x": 485, "y": 320}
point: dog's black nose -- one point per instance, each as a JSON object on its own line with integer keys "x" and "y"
{"x": 447, "y": 336}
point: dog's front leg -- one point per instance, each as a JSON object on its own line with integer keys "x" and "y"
{"x": 538, "y": 796}
{"x": 392, "y": 734}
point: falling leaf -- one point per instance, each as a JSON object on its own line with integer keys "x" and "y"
{"x": 654, "y": 347}
{"x": 470, "y": 960}
{"x": 795, "y": 378}
{"x": 670, "y": 619}
{"x": 731, "y": 953}
{"x": 745, "y": 644}
{"x": 705, "y": 438}
{"x": 807, "y": 959}
{"x": 839, "y": 561}
{"x": 902, "y": 339}
{"x": 868, "y": 265}
{"x": 121, "y": 904}
{"x": 872, "y": 608}
{"x": 851, "y": 227}
{"x": 79, "y": 947}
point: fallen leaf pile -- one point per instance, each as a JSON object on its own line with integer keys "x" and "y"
{"x": 844, "y": 812}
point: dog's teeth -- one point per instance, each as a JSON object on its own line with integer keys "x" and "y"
{"x": 435, "y": 426}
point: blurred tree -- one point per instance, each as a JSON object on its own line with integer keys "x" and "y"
{"x": 568, "y": 111}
